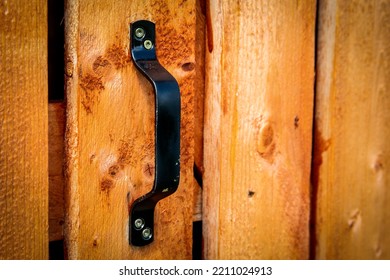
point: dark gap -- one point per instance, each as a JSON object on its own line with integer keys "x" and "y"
{"x": 55, "y": 18}
{"x": 313, "y": 180}
{"x": 55, "y": 23}
{"x": 56, "y": 250}
{"x": 197, "y": 240}
{"x": 198, "y": 176}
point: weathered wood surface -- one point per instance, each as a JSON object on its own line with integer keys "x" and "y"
{"x": 258, "y": 129}
{"x": 110, "y": 128}
{"x": 56, "y": 172}
{"x": 199, "y": 87}
{"x": 351, "y": 151}
{"x": 23, "y": 130}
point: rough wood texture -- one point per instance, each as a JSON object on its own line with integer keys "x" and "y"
{"x": 199, "y": 84}
{"x": 110, "y": 128}
{"x": 352, "y": 153}
{"x": 258, "y": 129}
{"x": 56, "y": 173}
{"x": 23, "y": 130}
{"x": 199, "y": 88}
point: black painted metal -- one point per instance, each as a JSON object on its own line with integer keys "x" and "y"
{"x": 167, "y": 135}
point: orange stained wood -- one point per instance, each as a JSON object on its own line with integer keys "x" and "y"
{"x": 110, "y": 128}
{"x": 199, "y": 87}
{"x": 258, "y": 129}
{"x": 352, "y": 153}
{"x": 23, "y": 130}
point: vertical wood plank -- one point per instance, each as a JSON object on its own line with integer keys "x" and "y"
{"x": 199, "y": 84}
{"x": 352, "y": 153}
{"x": 110, "y": 128}
{"x": 258, "y": 129}
{"x": 199, "y": 90}
{"x": 23, "y": 130}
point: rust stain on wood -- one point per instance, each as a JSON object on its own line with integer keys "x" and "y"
{"x": 92, "y": 86}
{"x": 118, "y": 56}
{"x": 106, "y": 185}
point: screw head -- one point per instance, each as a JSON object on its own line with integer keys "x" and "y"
{"x": 148, "y": 44}
{"x": 147, "y": 234}
{"x": 139, "y": 223}
{"x": 139, "y": 33}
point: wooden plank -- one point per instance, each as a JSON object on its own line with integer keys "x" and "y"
{"x": 258, "y": 129}
{"x": 56, "y": 172}
{"x": 110, "y": 128}
{"x": 352, "y": 153}
{"x": 199, "y": 86}
{"x": 23, "y": 130}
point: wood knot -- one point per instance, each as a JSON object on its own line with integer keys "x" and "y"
{"x": 114, "y": 170}
{"x": 265, "y": 142}
{"x": 101, "y": 65}
{"x": 189, "y": 66}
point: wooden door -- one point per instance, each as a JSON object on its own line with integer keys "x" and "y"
{"x": 110, "y": 128}
{"x": 284, "y": 127}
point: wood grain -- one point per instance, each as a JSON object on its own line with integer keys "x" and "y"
{"x": 56, "y": 172}
{"x": 199, "y": 90}
{"x": 352, "y": 152}
{"x": 109, "y": 130}
{"x": 23, "y": 130}
{"x": 199, "y": 84}
{"x": 258, "y": 129}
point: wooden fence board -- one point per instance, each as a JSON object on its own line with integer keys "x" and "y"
{"x": 110, "y": 128}
{"x": 352, "y": 152}
{"x": 23, "y": 130}
{"x": 258, "y": 129}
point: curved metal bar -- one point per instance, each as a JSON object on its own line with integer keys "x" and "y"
{"x": 167, "y": 132}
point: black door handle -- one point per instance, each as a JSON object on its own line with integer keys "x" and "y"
{"x": 167, "y": 131}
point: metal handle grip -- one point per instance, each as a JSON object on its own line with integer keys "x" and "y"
{"x": 167, "y": 131}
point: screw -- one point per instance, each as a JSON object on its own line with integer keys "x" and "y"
{"x": 148, "y": 44}
{"x": 139, "y": 223}
{"x": 139, "y": 33}
{"x": 147, "y": 234}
